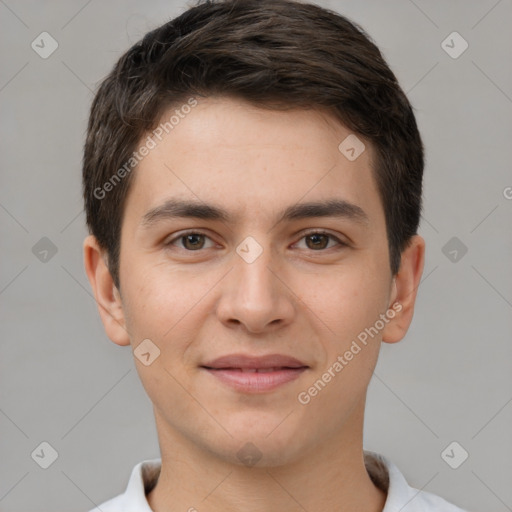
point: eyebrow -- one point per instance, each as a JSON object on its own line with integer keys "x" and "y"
{"x": 175, "y": 208}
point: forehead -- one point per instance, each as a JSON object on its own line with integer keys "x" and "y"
{"x": 227, "y": 152}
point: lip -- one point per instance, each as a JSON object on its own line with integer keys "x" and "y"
{"x": 245, "y": 361}
{"x": 252, "y": 374}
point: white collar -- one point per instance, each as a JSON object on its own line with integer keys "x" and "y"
{"x": 400, "y": 496}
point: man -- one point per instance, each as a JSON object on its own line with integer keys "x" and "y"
{"x": 252, "y": 182}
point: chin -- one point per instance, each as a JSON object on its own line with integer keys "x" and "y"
{"x": 262, "y": 445}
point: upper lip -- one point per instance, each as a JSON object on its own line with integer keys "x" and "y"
{"x": 254, "y": 362}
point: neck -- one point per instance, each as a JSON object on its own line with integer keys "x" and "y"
{"x": 331, "y": 476}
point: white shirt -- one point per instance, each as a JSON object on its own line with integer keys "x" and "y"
{"x": 400, "y": 496}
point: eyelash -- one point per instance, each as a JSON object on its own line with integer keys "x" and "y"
{"x": 304, "y": 235}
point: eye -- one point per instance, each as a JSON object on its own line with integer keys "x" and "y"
{"x": 190, "y": 241}
{"x": 194, "y": 241}
{"x": 319, "y": 240}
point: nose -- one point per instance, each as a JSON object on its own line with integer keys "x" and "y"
{"x": 255, "y": 296}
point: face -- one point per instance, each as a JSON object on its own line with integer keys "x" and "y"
{"x": 221, "y": 256}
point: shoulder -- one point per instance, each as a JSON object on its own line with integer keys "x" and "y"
{"x": 432, "y": 503}
{"x": 113, "y": 505}
{"x": 400, "y": 495}
{"x": 143, "y": 477}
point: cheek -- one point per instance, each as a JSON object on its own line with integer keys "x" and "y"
{"x": 159, "y": 306}
{"x": 164, "y": 304}
{"x": 344, "y": 316}
{"x": 344, "y": 301}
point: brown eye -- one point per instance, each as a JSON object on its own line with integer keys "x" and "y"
{"x": 191, "y": 241}
{"x": 317, "y": 241}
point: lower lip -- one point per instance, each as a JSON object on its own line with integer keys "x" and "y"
{"x": 254, "y": 382}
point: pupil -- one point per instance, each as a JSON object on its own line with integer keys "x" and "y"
{"x": 193, "y": 241}
{"x": 318, "y": 240}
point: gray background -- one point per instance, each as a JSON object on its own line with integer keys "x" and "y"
{"x": 62, "y": 381}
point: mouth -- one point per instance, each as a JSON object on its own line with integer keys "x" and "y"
{"x": 249, "y": 374}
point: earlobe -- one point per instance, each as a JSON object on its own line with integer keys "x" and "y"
{"x": 105, "y": 292}
{"x": 404, "y": 290}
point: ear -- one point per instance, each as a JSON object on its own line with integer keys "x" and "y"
{"x": 105, "y": 292}
{"x": 404, "y": 290}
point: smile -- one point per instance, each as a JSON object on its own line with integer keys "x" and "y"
{"x": 255, "y": 380}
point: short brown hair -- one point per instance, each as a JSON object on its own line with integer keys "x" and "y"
{"x": 277, "y": 54}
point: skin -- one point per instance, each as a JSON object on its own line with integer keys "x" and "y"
{"x": 295, "y": 299}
